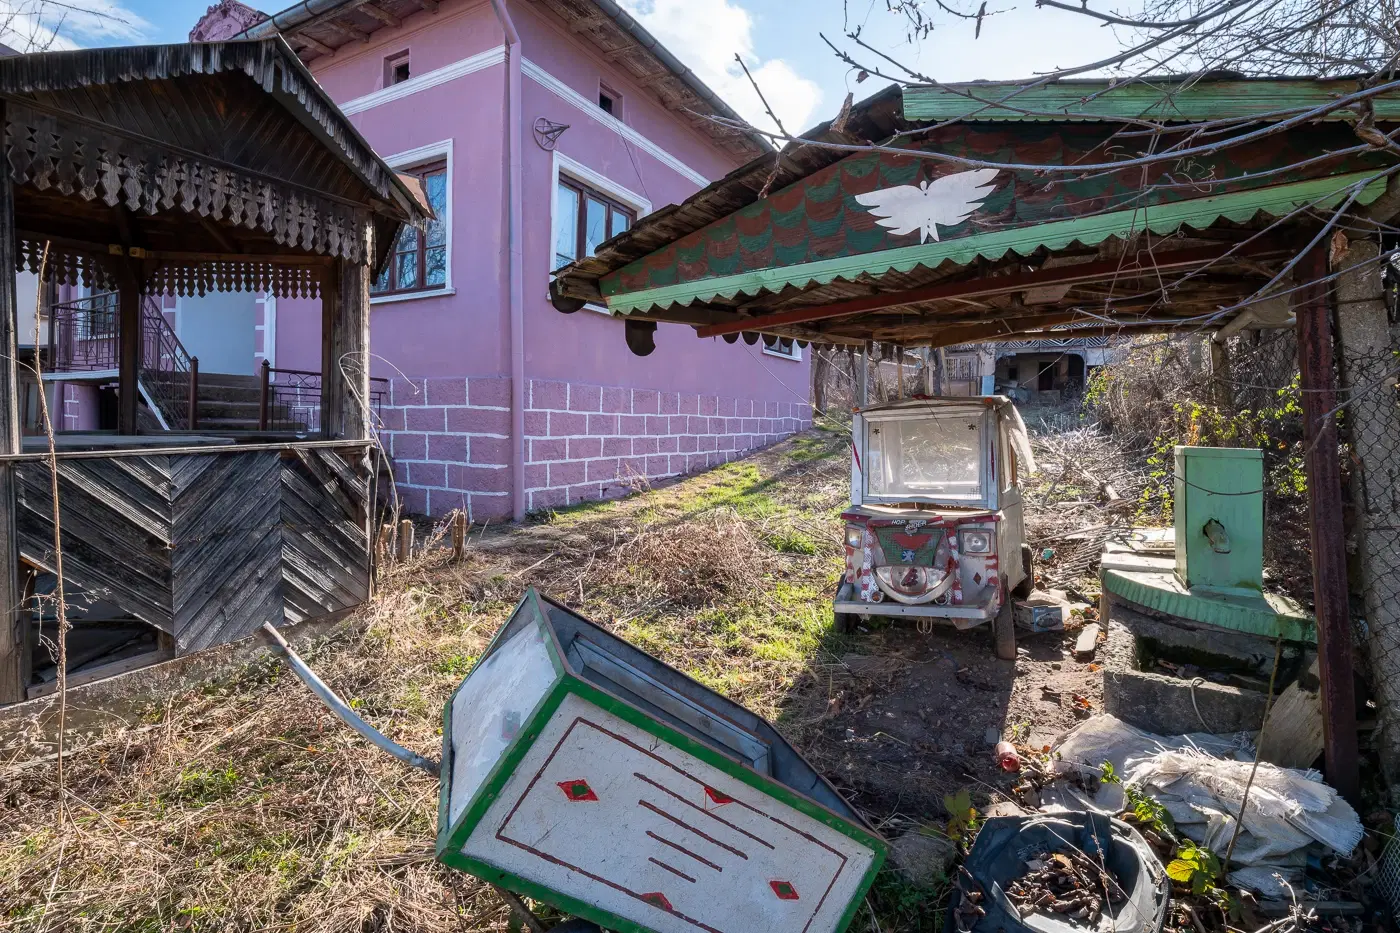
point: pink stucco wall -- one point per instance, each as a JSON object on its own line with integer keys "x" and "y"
{"x": 451, "y": 452}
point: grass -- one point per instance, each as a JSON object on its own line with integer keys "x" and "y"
{"x": 244, "y": 805}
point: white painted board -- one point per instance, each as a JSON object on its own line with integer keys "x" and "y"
{"x": 604, "y": 812}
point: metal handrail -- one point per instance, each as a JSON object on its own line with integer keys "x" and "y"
{"x": 300, "y": 393}
{"x": 85, "y": 336}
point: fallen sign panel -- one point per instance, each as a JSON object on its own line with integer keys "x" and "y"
{"x": 584, "y": 773}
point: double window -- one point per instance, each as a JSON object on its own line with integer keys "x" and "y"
{"x": 584, "y": 218}
{"x": 785, "y": 347}
{"x": 419, "y": 262}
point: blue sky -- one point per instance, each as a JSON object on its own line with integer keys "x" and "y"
{"x": 780, "y": 41}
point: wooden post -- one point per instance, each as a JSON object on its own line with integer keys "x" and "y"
{"x": 264, "y": 390}
{"x": 1329, "y": 559}
{"x": 459, "y": 535}
{"x": 1367, "y": 342}
{"x": 128, "y": 349}
{"x": 12, "y": 683}
{"x": 193, "y": 418}
{"x": 345, "y": 346}
{"x": 864, "y": 399}
{"x": 899, "y": 373}
{"x": 405, "y": 540}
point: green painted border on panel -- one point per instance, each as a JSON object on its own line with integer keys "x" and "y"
{"x": 1238, "y": 206}
{"x": 449, "y": 848}
{"x": 457, "y": 834}
{"x": 1269, "y": 615}
{"x": 1101, "y": 100}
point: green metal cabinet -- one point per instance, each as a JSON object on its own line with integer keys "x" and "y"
{"x": 1220, "y": 519}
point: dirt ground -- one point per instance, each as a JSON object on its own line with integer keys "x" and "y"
{"x": 906, "y": 718}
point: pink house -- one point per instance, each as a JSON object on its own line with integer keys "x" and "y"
{"x": 537, "y": 130}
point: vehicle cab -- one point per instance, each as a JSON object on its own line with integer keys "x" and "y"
{"x": 935, "y": 529}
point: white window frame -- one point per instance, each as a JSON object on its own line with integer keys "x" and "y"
{"x": 563, "y": 165}
{"x": 795, "y": 356}
{"x": 432, "y": 152}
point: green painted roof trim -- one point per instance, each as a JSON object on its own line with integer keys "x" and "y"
{"x": 1237, "y": 206}
{"x": 1090, "y": 100}
{"x": 1268, "y": 616}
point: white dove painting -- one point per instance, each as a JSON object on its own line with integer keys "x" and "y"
{"x": 924, "y": 207}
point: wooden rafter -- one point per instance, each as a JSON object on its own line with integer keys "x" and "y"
{"x": 313, "y": 44}
{"x": 982, "y": 287}
{"x": 430, "y": 5}
{"x": 615, "y": 54}
{"x": 341, "y": 26}
{"x": 381, "y": 14}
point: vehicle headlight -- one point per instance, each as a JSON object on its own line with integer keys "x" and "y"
{"x": 976, "y": 542}
{"x": 855, "y": 536}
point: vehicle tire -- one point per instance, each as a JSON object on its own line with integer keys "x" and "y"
{"x": 576, "y": 926}
{"x": 1026, "y": 586}
{"x": 1004, "y": 633}
{"x": 842, "y": 622}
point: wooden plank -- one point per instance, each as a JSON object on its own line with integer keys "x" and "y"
{"x": 1330, "y": 597}
{"x": 1081, "y": 273}
{"x": 135, "y": 662}
{"x": 1292, "y": 735}
{"x": 12, "y": 682}
{"x": 1087, "y": 642}
{"x": 129, "y": 349}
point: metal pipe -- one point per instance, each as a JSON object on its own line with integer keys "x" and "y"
{"x": 342, "y": 710}
{"x": 515, "y": 261}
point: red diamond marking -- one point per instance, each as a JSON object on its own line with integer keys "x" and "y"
{"x": 718, "y": 797}
{"x": 657, "y": 899}
{"x": 976, "y": 578}
{"x": 577, "y": 791}
{"x": 784, "y": 890}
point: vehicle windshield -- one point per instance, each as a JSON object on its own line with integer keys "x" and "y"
{"x": 938, "y": 458}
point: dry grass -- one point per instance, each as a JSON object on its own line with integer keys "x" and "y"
{"x": 246, "y": 806}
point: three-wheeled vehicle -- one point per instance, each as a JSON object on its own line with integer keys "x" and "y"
{"x": 935, "y": 530}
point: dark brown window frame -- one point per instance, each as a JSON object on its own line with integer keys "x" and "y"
{"x": 421, "y": 172}
{"x": 584, "y": 192}
{"x": 391, "y": 65}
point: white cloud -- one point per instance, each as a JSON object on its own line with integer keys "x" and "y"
{"x": 54, "y": 25}
{"x": 706, "y": 35}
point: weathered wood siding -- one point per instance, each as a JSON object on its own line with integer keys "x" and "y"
{"x": 206, "y": 546}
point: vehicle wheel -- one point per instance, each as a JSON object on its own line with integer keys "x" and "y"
{"x": 1026, "y": 586}
{"x": 576, "y": 926}
{"x": 1004, "y": 633}
{"x": 842, "y": 622}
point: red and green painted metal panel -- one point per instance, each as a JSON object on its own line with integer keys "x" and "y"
{"x": 585, "y": 801}
{"x": 815, "y": 231}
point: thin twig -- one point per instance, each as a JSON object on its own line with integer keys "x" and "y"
{"x": 1258, "y": 743}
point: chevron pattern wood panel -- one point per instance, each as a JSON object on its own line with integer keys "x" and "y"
{"x": 206, "y": 547}
{"x": 115, "y": 514}
{"x": 227, "y": 558}
{"x": 325, "y": 539}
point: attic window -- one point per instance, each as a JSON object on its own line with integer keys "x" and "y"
{"x": 396, "y": 69}
{"x": 609, "y": 101}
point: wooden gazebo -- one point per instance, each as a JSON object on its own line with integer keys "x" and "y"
{"x": 179, "y": 170}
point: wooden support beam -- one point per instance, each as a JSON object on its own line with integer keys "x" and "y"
{"x": 314, "y": 45}
{"x": 347, "y": 29}
{"x": 615, "y": 54}
{"x": 128, "y": 348}
{"x": 1329, "y": 557}
{"x": 1080, "y": 274}
{"x": 381, "y": 14}
{"x": 430, "y": 5}
{"x": 12, "y": 681}
{"x": 345, "y": 351}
